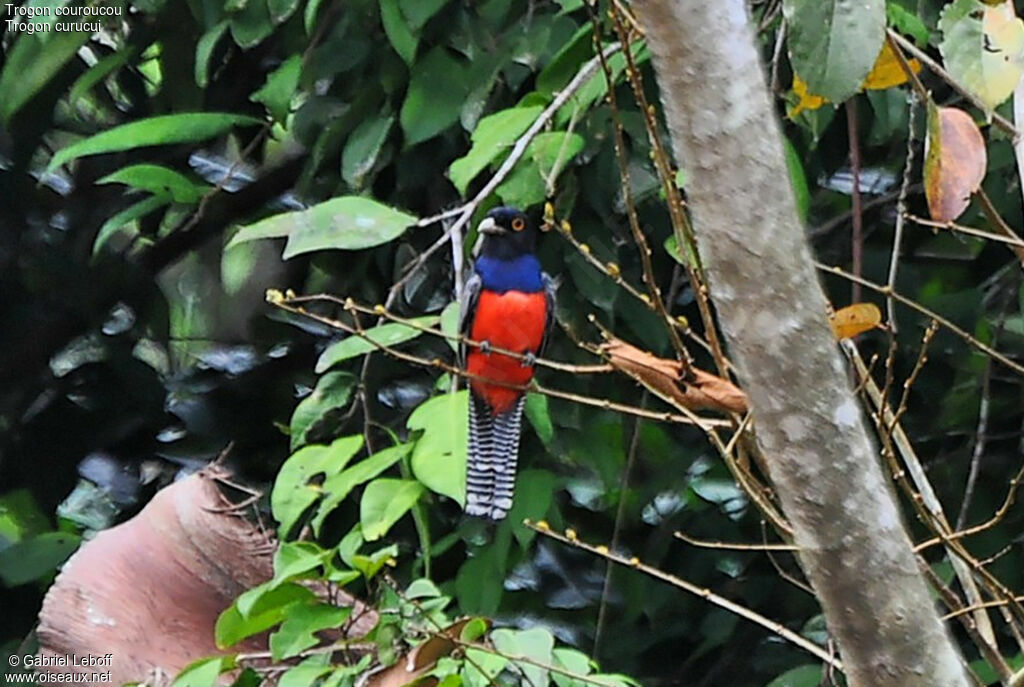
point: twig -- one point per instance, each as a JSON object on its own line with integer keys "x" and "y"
{"x": 570, "y": 539}
{"x": 981, "y": 433}
{"x": 999, "y": 120}
{"x": 732, "y": 546}
{"x": 620, "y": 514}
{"x": 970, "y": 231}
{"x": 914, "y": 305}
{"x": 925, "y": 496}
{"x": 901, "y": 208}
{"x": 857, "y": 235}
{"x": 994, "y": 217}
{"x": 704, "y": 423}
{"x": 647, "y": 267}
{"x": 523, "y": 142}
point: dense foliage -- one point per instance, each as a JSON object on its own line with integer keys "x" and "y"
{"x": 157, "y": 178}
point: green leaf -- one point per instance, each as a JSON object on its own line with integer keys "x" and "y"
{"x": 474, "y": 630}
{"x": 293, "y": 493}
{"x": 535, "y": 491}
{"x": 20, "y": 517}
{"x": 983, "y": 48}
{"x": 265, "y": 609}
{"x": 355, "y": 345}
{"x": 158, "y": 180}
{"x": 279, "y": 88}
{"x": 362, "y": 149}
{"x": 332, "y": 391}
{"x": 439, "y": 458}
{"x": 422, "y": 589}
{"x": 801, "y": 676}
{"x": 309, "y": 16}
{"x": 301, "y": 621}
{"x": 160, "y": 130}
{"x": 833, "y": 43}
{"x": 539, "y": 416}
{"x": 348, "y": 223}
{"x": 204, "y": 52}
{"x": 35, "y": 558}
{"x": 280, "y": 10}
{"x": 307, "y": 673}
{"x": 535, "y": 644}
{"x": 295, "y": 558}
{"x": 437, "y": 91}
{"x": 204, "y": 672}
{"x": 572, "y": 661}
{"x": 554, "y": 150}
{"x": 905, "y": 21}
{"x": 482, "y": 667}
{"x": 370, "y": 565}
{"x": 398, "y": 33}
{"x": 273, "y": 593}
{"x": 450, "y": 324}
{"x": 130, "y": 214}
{"x": 524, "y": 186}
{"x": 567, "y": 61}
{"x": 493, "y": 135}
{"x": 251, "y": 24}
{"x": 31, "y": 64}
{"x": 723, "y": 492}
{"x": 798, "y": 179}
{"x": 100, "y": 71}
{"x": 337, "y": 487}
{"x": 384, "y": 502}
{"x": 478, "y": 584}
{"x": 418, "y": 12}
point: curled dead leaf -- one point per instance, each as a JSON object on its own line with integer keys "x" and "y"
{"x": 693, "y": 388}
{"x": 955, "y": 162}
{"x": 421, "y": 659}
{"x": 855, "y": 319}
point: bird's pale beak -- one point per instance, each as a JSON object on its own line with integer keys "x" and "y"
{"x": 490, "y": 227}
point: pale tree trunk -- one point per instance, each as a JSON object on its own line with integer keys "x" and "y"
{"x": 853, "y": 545}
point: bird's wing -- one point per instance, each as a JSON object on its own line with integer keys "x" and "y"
{"x": 467, "y": 308}
{"x": 550, "y": 289}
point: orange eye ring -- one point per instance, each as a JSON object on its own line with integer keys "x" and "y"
{"x": 518, "y": 224}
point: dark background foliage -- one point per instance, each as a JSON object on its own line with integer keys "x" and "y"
{"x": 128, "y": 362}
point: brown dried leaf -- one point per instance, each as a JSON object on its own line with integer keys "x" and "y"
{"x": 855, "y": 319}
{"x": 955, "y": 163}
{"x": 696, "y": 390}
{"x": 420, "y": 660}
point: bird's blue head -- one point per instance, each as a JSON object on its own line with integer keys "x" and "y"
{"x": 506, "y": 233}
{"x": 505, "y": 251}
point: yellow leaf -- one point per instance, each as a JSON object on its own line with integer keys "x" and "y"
{"x": 807, "y": 101}
{"x": 855, "y": 319}
{"x": 887, "y": 71}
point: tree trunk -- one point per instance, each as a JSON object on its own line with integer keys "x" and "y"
{"x": 853, "y": 545}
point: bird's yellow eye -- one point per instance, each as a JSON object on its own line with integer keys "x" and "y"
{"x": 518, "y": 224}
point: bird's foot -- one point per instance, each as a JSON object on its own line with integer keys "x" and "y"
{"x": 485, "y": 347}
{"x": 529, "y": 359}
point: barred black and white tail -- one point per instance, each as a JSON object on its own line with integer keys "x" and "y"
{"x": 493, "y": 453}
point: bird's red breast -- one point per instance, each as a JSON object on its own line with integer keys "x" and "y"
{"x": 513, "y": 321}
